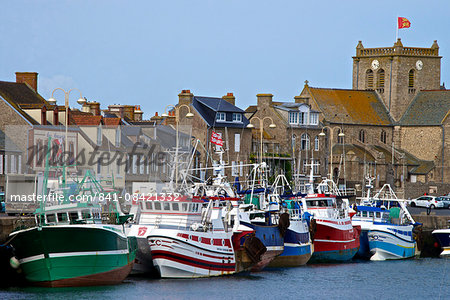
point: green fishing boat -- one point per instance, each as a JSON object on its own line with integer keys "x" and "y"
{"x": 76, "y": 243}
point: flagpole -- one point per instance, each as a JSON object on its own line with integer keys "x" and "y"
{"x": 396, "y": 34}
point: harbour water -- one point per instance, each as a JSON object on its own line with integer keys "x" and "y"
{"x": 421, "y": 278}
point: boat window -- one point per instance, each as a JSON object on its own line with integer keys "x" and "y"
{"x": 149, "y": 205}
{"x": 194, "y": 207}
{"x": 184, "y": 206}
{"x": 51, "y": 218}
{"x": 86, "y": 214}
{"x": 377, "y": 215}
{"x": 364, "y": 213}
{"x": 157, "y": 205}
{"x": 62, "y": 217}
{"x": 330, "y": 202}
{"x": 370, "y": 214}
{"x": 166, "y": 205}
{"x": 73, "y": 216}
{"x": 175, "y": 206}
{"x": 140, "y": 204}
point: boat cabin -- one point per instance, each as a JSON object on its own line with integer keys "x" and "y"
{"x": 73, "y": 213}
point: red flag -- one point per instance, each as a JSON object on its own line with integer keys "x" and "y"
{"x": 216, "y": 139}
{"x": 403, "y": 23}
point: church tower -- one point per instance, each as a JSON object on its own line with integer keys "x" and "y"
{"x": 397, "y": 73}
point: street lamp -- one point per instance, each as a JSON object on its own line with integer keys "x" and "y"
{"x": 341, "y": 134}
{"x": 177, "y": 115}
{"x": 261, "y": 124}
{"x": 52, "y": 100}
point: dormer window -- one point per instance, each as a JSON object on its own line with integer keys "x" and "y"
{"x": 293, "y": 117}
{"x": 220, "y": 117}
{"x": 237, "y": 117}
{"x": 314, "y": 119}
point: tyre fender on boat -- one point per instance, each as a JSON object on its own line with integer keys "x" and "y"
{"x": 283, "y": 223}
{"x": 254, "y": 248}
{"x": 312, "y": 229}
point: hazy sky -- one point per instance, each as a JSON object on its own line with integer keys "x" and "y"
{"x": 146, "y": 52}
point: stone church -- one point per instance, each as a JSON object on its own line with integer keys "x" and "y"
{"x": 395, "y": 120}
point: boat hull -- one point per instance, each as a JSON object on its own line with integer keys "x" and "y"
{"x": 364, "y": 248}
{"x": 187, "y": 254}
{"x": 443, "y": 236}
{"x": 272, "y": 239}
{"x": 74, "y": 255}
{"x": 335, "y": 241}
{"x": 385, "y": 244}
{"x": 297, "y": 247}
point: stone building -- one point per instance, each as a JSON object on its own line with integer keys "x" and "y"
{"x": 395, "y": 120}
{"x": 212, "y": 114}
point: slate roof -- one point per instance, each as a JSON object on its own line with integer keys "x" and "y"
{"x": 21, "y": 93}
{"x": 351, "y": 106}
{"x": 427, "y": 108}
{"x": 208, "y": 107}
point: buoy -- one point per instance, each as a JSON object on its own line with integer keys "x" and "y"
{"x": 14, "y": 262}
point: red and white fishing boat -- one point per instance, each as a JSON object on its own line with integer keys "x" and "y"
{"x": 182, "y": 239}
{"x": 335, "y": 238}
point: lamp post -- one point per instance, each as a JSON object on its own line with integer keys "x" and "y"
{"x": 80, "y": 101}
{"x": 261, "y": 124}
{"x": 177, "y": 115}
{"x": 341, "y": 134}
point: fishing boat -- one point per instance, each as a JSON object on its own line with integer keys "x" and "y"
{"x": 75, "y": 243}
{"x": 387, "y": 229}
{"x": 185, "y": 240}
{"x": 298, "y": 246}
{"x": 262, "y": 218}
{"x": 443, "y": 236}
{"x": 335, "y": 238}
{"x": 72, "y": 247}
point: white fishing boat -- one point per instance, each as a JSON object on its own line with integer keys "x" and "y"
{"x": 387, "y": 228}
{"x": 183, "y": 240}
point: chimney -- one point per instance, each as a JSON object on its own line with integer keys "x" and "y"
{"x": 29, "y": 78}
{"x": 55, "y": 115}
{"x": 138, "y": 113}
{"x": 185, "y": 97}
{"x": 302, "y": 99}
{"x": 230, "y": 98}
{"x": 264, "y": 100}
{"x": 94, "y": 108}
{"x": 128, "y": 111}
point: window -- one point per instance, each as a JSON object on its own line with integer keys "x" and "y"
{"x": 39, "y": 153}
{"x": 166, "y": 205}
{"x": 369, "y": 79}
{"x": 383, "y": 136}
{"x": 380, "y": 81}
{"x": 237, "y": 142}
{"x": 62, "y": 217}
{"x": 51, "y": 218}
{"x": 305, "y": 166}
{"x": 314, "y": 119}
{"x": 220, "y": 117}
{"x": 73, "y": 216}
{"x": 411, "y": 79}
{"x": 157, "y": 205}
{"x": 175, "y": 206}
{"x": 316, "y": 166}
{"x": 302, "y": 118}
{"x": 305, "y": 142}
{"x": 118, "y": 135}
{"x": 411, "y": 89}
{"x": 293, "y": 117}
{"x": 149, "y": 205}
{"x": 362, "y": 136}
{"x": 99, "y": 135}
{"x": 316, "y": 143}
{"x": 294, "y": 137}
{"x": 86, "y": 214}
{"x": 237, "y": 117}
{"x": 340, "y": 139}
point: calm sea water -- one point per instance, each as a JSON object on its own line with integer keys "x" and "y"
{"x": 406, "y": 279}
